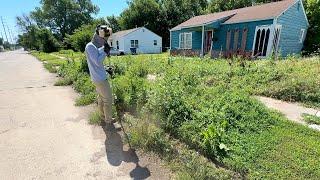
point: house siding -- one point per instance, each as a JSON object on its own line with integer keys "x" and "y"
{"x": 221, "y": 34}
{"x": 196, "y": 35}
{"x": 146, "y": 41}
{"x": 292, "y": 21}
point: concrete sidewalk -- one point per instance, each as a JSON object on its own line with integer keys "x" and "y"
{"x": 292, "y": 111}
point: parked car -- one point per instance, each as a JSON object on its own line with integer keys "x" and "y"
{"x": 116, "y": 52}
{"x": 1, "y": 48}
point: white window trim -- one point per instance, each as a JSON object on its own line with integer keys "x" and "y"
{"x": 135, "y": 45}
{"x": 255, "y": 38}
{"x": 185, "y": 42}
{"x": 302, "y": 35}
{"x": 271, "y": 38}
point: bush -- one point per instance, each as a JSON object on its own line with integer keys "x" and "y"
{"x": 63, "y": 82}
{"x": 39, "y": 39}
{"x": 86, "y": 99}
{"x": 82, "y": 36}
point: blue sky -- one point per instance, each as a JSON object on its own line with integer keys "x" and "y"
{"x": 12, "y": 8}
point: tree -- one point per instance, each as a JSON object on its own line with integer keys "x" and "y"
{"x": 6, "y": 45}
{"x": 63, "y": 16}
{"x": 140, "y": 13}
{"x": 312, "y": 43}
{"x": 113, "y": 22}
{"x": 224, "y": 5}
{"x": 1, "y": 41}
{"x": 47, "y": 42}
{"x": 83, "y": 35}
{"x": 38, "y": 39}
{"x": 28, "y": 39}
{"x": 160, "y": 15}
{"x": 24, "y": 22}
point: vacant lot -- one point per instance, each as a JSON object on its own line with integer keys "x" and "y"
{"x": 208, "y": 105}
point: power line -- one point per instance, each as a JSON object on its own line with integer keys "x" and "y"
{"x": 1, "y": 34}
{"x": 9, "y": 32}
{"x": 4, "y": 29}
{"x": 13, "y": 37}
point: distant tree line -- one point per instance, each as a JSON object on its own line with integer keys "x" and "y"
{"x": 69, "y": 24}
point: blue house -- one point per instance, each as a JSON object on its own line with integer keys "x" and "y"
{"x": 277, "y": 28}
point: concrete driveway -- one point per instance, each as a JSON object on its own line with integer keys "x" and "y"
{"x": 44, "y": 136}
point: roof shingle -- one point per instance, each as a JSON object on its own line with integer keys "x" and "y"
{"x": 252, "y": 13}
{"x": 123, "y": 33}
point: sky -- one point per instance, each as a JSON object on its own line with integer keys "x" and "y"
{"x": 9, "y": 9}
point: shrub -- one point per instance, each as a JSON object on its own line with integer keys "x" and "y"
{"x": 86, "y": 99}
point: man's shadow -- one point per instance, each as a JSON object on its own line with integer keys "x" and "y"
{"x": 115, "y": 153}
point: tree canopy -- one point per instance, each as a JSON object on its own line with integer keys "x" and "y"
{"x": 64, "y": 18}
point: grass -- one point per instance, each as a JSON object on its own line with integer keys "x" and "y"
{"x": 95, "y": 118}
{"x": 208, "y": 105}
{"x": 63, "y": 82}
{"x": 86, "y": 99}
{"x": 200, "y": 109}
{"x": 287, "y": 151}
{"x": 185, "y": 163}
{"x": 311, "y": 119}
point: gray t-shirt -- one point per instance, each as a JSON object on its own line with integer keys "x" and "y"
{"x": 95, "y": 58}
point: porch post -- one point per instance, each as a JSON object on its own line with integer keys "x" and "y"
{"x": 202, "y": 50}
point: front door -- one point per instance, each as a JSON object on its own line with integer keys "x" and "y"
{"x": 207, "y": 41}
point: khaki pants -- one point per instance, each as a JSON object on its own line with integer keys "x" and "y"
{"x": 104, "y": 99}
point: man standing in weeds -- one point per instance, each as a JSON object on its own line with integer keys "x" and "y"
{"x": 96, "y": 51}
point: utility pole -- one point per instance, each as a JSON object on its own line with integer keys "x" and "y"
{"x": 13, "y": 39}
{"x": 1, "y": 35}
{"x": 10, "y": 35}
{"x": 4, "y": 29}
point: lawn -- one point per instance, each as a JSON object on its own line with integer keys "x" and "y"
{"x": 208, "y": 105}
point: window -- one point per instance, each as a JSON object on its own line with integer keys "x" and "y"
{"x": 302, "y": 35}
{"x": 155, "y": 42}
{"x": 111, "y": 43}
{"x": 134, "y": 43}
{"x": 276, "y": 40}
{"x": 262, "y": 41}
{"x": 185, "y": 41}
{"x": 117, "y": 44}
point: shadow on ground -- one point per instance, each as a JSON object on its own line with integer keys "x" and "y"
{"x": 116, "y": 155}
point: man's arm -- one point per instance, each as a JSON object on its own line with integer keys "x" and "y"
{"x": 95, "y": 54}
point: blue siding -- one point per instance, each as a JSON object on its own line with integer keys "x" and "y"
{"x": 196, "y": 36}
{"x": 221, "y": 34}
{"x": 292, "y": 21}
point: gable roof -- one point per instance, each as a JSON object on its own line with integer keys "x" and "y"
{"x": 252, "y": 13}
{"x": 125, "y": 32}
{"x": 120, "y": 34}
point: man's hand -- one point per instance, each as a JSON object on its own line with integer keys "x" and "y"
{"x": 110, "y": 70}
{"x": 107, "y": 48}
